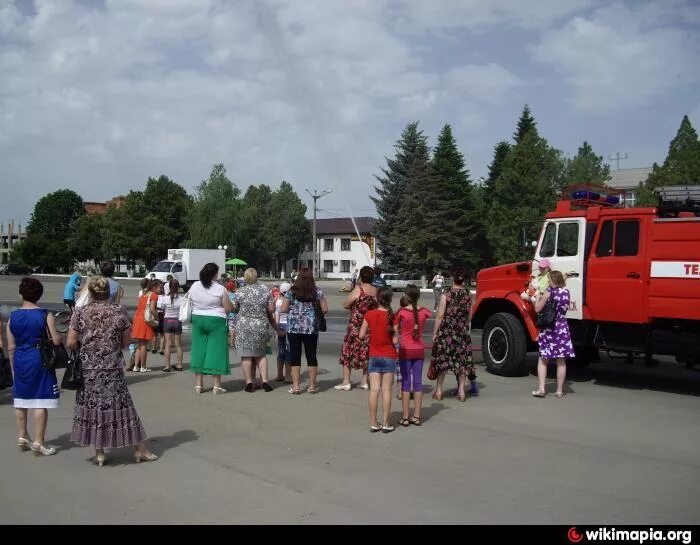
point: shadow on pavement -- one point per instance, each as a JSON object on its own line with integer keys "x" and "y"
{"x": 616, "y": 373}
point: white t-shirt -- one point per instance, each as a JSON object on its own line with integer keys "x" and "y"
{"x": 172, "y": 310}
{"x": 438, "y": 280}
{"x": 207, "y": 302}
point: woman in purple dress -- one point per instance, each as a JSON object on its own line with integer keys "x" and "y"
{"x": 104, "y": 415}
{"x": 555, "y": 342}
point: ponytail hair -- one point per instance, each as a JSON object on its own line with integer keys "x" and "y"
{"x": 384, "y": 296}
{"x": 412, "y": 293}
{"x": 174, "y": 288}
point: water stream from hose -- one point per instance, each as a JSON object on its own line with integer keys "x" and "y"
{"x": 309, "y": 99}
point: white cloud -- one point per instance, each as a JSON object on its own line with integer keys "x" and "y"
{"x": 477, "y": 14}
{"x": 620, "y": 58}
{"x": 307, "y": 91}
{"x": 489, "y": 83}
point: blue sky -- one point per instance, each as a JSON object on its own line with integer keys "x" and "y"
{"x": 96, "y": 96}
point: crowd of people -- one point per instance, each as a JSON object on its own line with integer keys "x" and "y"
{"x": 384, "y": 345}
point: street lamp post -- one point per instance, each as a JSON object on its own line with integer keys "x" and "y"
{"x": 224, "y": 248}
{"x": 316, "y": 196}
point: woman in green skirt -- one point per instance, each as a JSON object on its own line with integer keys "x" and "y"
{"x": 210, "y": 306}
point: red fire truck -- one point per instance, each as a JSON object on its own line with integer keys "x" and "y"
{"x": 633, "y": 274}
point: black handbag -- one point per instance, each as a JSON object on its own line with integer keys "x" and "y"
{"x": 73, "y": 376}
{"x": 320, "y": 317}
{"x": 548, "y": 315}
{"x": 52, "y": 356}
{"x": 5, "y": 372}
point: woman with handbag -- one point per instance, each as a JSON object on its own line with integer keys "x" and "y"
{"x": 303, "y": 302}
{"x": 142, "y": 331}
{"x": 210, "y": 354}
{"x": 35, "y": 387}
{"x": 554, "y": 341}
{"x": 104, "y": 415}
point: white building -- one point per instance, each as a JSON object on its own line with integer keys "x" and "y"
{"x": 627, "y": 181}
{"x": 9, "y": 238}
{"x": 340, "y": 250}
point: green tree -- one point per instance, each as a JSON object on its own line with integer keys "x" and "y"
{"x": 500, "y": 152}
{"x": 525, "y": 190}
{"x": 116, "y": 243}
{"x": 425, "y": 232}
{"x": 681, "y": 167}
{"x": 214, "y": 218}
{"x": 526, "y": 123}
{"x": 452, "y": 177}
{"x": 391, "y": 192}
{"x": 586, "y": 167}
{"x": 256, "y": 235}
{"x": 289, "y": 229}
{"x": 49, "y": 229}
{"x": 86, "y": 239}
{"x": 169, "y": 204}
{"x": 483, "y": 197}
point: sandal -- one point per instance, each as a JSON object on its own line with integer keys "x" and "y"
{"x": 538, "y": 393}
{"x": 198, "y": 389}
{"x": 462, "y": 397}
{"x": 415, "y": 420}
{"x": 24, "y": 443}
{"x": 437, "y": 396}
{"x": 559, "y": 395}
{"x": 294, "y": 391}
{"x": 375, "y": 428}
{"x": 405, "y": 422}
{"x": 387, "y": 429}
{"x": 42, "y": 450}
{"x": 177, "y": 368}
{"x": 312, "y": 389}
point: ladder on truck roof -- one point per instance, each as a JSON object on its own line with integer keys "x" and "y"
{"x": 679, "y": 200}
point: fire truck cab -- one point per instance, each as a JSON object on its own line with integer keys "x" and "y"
{"x": 633, "y": 275}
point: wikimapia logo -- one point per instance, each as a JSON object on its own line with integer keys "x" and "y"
{"x": 636, "y": 536}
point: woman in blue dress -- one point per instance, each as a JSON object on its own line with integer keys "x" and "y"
{"x": 34, "y": 387}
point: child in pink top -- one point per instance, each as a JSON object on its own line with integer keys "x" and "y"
{"x": 411, "y": 321}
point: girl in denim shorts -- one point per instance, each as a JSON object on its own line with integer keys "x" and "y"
{"x": 383, "y": 358}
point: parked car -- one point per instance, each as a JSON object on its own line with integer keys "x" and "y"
{"x": 399, "y": 281}
{"x": 15, "y": 268}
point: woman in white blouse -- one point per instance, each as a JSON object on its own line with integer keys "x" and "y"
{"x": 210, "y": 305}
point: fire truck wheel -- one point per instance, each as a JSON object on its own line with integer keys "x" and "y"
{"x": 504, "y": 344}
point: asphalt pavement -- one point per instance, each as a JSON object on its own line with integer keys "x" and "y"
{"x": 620, "y": 448}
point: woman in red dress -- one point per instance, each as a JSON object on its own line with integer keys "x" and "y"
{"x": 140, "y": 330}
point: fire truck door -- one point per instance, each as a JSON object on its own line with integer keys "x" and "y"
{"x": 616, "y": 274}
{"x": 563, "y": 243}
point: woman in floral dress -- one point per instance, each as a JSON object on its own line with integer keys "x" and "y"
{"x": 452, "y": 343}
{"x": 104, "y": 415}
{"x": 355, "y": 351}
{"x": 255, "y": 316}
{"x": 555, "y": 342}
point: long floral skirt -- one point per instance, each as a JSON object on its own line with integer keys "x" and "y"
{"x": 104, "y": 415}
